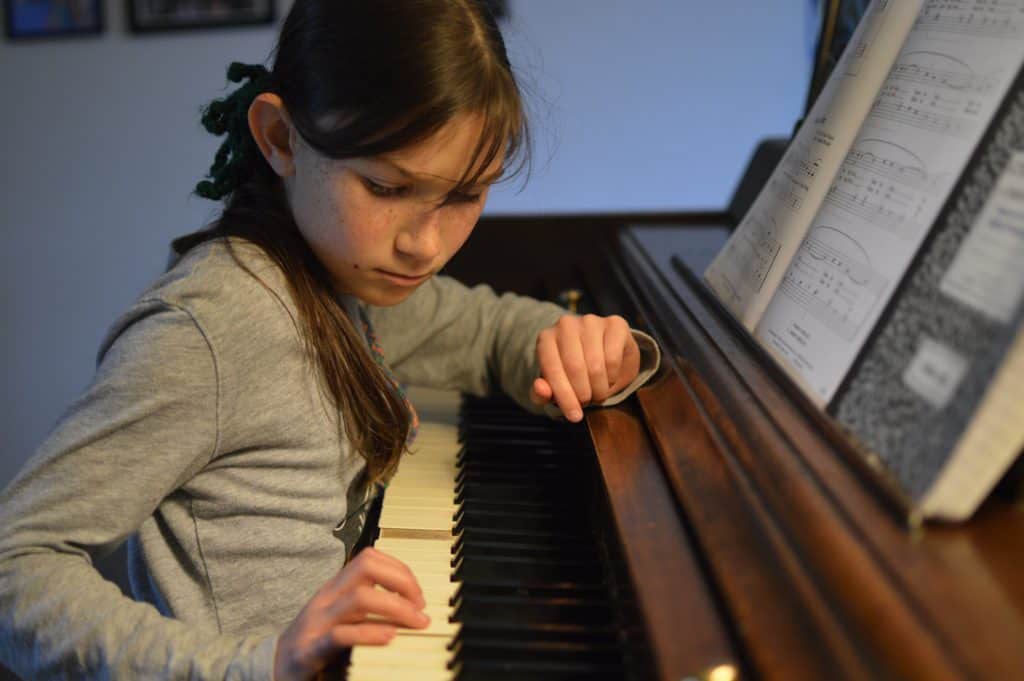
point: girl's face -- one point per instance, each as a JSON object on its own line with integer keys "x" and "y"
{"x": 384, "y": 225}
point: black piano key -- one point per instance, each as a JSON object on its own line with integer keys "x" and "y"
{"x": 553, "y": 535}
{"x": 532, "y": 611}
{"x": 493, "y": 469}
{"x": 522, "y": 521}
{"x": 498, "y": 628}
{"x": 547, "y": 474}
{"x": 526, "y": 569}
{"x": 518, "y": 451}
{"x": 528, "y": 548}
{"x": 476, "y": 508}
{"x": 537, "y": 597}
{"x": 472, "y": 590}
{"x": 543, "y": 491}
{"x": 476, "y": 497}
{"x": 524, "y": 668}
{"x": 542, "y": 651}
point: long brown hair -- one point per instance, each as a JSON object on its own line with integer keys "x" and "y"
{"x": 391, "y": 73}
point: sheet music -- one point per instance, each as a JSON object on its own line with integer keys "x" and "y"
{"x": 751, "y": 265}
{"x": 953, "y": 71}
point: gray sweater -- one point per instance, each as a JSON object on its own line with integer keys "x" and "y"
{"x": 207, "y": 444}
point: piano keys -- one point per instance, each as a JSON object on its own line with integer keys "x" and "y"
{"x": 415, "y": 526}
{"x": 498, "y": 521}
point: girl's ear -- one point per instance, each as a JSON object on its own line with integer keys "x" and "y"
{"x": 271, "y": 129}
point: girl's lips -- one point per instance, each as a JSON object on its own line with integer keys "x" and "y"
{"x": 403, "y": 280}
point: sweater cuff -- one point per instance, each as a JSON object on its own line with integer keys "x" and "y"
{"x": 650, "y": 361}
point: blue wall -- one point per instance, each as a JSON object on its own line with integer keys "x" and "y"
{"x": 646, "y": 105}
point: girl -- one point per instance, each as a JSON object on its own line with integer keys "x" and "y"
{"x": 241, "y": 412}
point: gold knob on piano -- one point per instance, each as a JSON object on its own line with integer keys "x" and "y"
{"x": 571, "y": 299}
{"x": 718, "y": 672}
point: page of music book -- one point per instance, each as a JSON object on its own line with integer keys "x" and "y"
{"x": 747, "y": 271}
{"x": 811, "y": 267}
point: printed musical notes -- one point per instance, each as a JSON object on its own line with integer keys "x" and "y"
{"x": 747, "y": 271}
{"x": 936, "y": 92}
{"x": 819, "y": 255}
{"x": 886, "y": 184}
{"x": 832, "y": 279}
{"x": 861, "y": 44}
{"x": 798, "y": 168}
{"x": 984, "y": 18}
{"x": 753, "y": 253}
{"x": 925, "y": 67}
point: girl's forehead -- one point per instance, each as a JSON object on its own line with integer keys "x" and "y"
{"x": 446, "y": 155}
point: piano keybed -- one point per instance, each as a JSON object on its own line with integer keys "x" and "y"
{"x": 497, "y": 520}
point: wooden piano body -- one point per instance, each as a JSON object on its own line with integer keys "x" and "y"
{"x": 756, "y": 537}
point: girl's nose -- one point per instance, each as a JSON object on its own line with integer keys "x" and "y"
{"x": 421, "y": 241}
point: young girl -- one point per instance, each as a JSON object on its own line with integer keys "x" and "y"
{"x": 241, "y": 411}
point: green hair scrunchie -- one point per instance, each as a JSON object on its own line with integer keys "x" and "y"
{"x": 230, "y": 116}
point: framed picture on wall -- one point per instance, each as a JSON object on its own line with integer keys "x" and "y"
{"x": 166, "y": 15}
{"x": 47, "y": 18}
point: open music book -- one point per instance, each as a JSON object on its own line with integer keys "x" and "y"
{"x": 882, "y": 265}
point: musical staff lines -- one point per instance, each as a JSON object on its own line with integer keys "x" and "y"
{"x": 799, "y": 167}
{"x": 1002, "y": 19}
{"x": 925, "y": 67}
{"x": 885, "y": 184}
{"x": 754, "y": 250}
{"x": 925, "y": 110}
{"x": 888, "y": 160}
{"x": 853, "y": 59}
{"x": 832, "y": 279}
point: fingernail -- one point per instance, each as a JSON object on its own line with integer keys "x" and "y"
{"x": 575, "y": 415}
{"x": 423, "y": 618}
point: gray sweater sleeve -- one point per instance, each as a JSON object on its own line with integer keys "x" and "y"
{"x": 146, "y": 423}
{"x": 452, "y": 337}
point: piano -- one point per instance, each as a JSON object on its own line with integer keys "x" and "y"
{"x": 716, "y": 526}
{"x": 731, "y": 530}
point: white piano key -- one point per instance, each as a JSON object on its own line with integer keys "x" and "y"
{"x": 417, "y": 518}
{"x": 415, "y": 524}
{"x": 418, "y": 657}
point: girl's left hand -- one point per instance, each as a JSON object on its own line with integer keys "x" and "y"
{"x": 583, "y": 360}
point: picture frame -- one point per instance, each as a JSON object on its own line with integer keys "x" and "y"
{"x": 148, "y": 16}
{"x": 35, "y": 19}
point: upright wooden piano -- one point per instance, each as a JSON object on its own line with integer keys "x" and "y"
{"x": 758, "y": 543}
{"x": 741, "y": 533}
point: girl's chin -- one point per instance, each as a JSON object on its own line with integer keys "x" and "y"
{"x": 385, "y": 296}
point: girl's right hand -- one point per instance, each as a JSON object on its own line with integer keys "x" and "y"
{"x": 336, "y": 616}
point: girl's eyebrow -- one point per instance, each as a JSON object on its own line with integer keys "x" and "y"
{"x": 408, "y": 174}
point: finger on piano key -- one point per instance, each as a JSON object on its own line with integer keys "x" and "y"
{"x": 415, "y": 526}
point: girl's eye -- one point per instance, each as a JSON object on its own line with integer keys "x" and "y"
{"x": 461, "y": 197}
{"x": 381, "y": 190}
